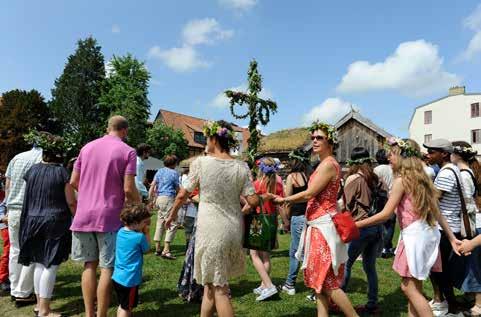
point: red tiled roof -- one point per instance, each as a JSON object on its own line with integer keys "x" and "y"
{"x": 189, "y": 125}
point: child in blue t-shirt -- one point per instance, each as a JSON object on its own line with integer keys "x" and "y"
{"x": 132, "y": 243}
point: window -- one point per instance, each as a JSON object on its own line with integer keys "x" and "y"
{"x": 476, "y": 136}
{"x": 199, "y": 138}
{"x": 428, "y": 138}
{"x": 475, "y": 110}
{"x": 428, "y": 117}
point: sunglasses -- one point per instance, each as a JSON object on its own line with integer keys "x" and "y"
{"x": 317, "y": 137}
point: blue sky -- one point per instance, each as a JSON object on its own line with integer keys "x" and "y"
{"x": 316, "y": 57}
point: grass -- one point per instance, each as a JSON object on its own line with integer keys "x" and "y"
{"x": 158, "y": 294}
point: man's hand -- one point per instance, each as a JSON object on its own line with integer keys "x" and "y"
{"x": 4, "y": 220}
{"x": 168, "y": 222}
{"x": 246, "y": 209}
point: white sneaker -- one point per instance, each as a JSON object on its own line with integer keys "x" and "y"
{"x": 289, "y": 290}
{"x": 311, "y": 297}
{"x": 258, "y": 290}
{"x": 266, "y": 293}
{"x": 439, "y": 309}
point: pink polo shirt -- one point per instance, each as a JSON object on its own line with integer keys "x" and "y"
{"x": 102, "y": 165}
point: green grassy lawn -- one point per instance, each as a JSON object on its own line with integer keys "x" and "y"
{"x": 158, "y": 294}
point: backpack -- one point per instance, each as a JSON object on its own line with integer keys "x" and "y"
{"x": 379, "y": 198}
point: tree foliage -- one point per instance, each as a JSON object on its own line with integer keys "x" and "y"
{"x": 21, "y": 111}
{"x": 258, "y": 109}
{"x": 125, "y": 93}
{"x": 166, "y": 140}
{"x": 75, "y": 97}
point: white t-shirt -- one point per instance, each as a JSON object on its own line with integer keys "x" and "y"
{"x": 469, "y": 190}
{"x": 384, "y": 172}
{"x": 190, "y": 210}
{"x": 449, "y": 204}
{"x": 430, "y": 171}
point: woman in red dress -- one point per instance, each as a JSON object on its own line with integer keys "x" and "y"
{"x": 324, "y": 252}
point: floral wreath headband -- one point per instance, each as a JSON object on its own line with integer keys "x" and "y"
{"x": 48, "y": 142}
{"x": 213, "y": 128}
{"x": 327, "y": 128}
{"x": 359, "y": 161}
{"x": 268, "y": 169}
{"x": 467, "y": 150}
{"x": 406, "y": 149}
{"x": 299, "y": 155}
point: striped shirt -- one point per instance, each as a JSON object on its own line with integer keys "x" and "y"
{"x": 16, "y": 170}
{"x": 449, "y": 203}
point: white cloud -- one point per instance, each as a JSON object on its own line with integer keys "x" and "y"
{"x": 179, "y": 59}
{"x": 473, "y": 22}
{"x": 221, "y": 101}
{"x": 115, "y": 28}
{"x": 414, "y": 69}
{"x": 204, "y": 31}
{"x": 238, "y": 4}
{"x": 186, "y": 58}
{"x": 330, "y": 111}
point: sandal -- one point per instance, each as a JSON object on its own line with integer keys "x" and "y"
{"x": 168, "y": 256}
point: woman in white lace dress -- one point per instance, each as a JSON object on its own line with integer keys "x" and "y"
{"x": 221, "y": 181}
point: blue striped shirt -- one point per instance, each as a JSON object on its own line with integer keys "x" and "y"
{"x": 449, "y": 204}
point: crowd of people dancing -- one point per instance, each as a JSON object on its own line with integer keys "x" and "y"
{"x": 98, "y": 213}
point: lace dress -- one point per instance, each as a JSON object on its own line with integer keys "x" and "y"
{"x": 219, "y": 254}
{"x": 319, "y": 274}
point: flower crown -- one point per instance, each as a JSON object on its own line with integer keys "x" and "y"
{"x": 299, "y": 155}
{"x": 406, "y": 149}
{"x": 359, "y": 161}
{"x": 468, "y": 150}
{"x": 213, "y": 128}
{"x": 48, "y": 142}
{"x": 268, "y": 169}
{"x": 327, "y": 128}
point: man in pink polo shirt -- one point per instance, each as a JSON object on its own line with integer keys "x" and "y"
{"x": 104, "y": 176}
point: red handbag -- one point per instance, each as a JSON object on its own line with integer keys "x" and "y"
{"x": 344, "y": 223}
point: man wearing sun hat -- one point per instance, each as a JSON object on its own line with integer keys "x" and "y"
{"x": 439, "y": 152}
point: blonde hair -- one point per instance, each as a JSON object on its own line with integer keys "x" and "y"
{"x": 270, "y": 180}
{"x": 417, "y": 183}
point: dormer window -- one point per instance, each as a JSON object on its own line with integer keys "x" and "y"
{"x": 199, "y": 137}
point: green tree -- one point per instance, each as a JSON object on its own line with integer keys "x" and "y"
{"x": 258, "y": 109}
{"x": 125, "y": 93}
{"x": 75, "y": 97}
{"x": 21, "y": 111}
{"x": 166, "y": 140}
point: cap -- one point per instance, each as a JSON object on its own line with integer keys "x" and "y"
{"x": 439, "y": 144}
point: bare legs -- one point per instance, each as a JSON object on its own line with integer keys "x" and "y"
{"x": 262, "y": 263}
{"x": 418, "y": 305}
{"x": 216, "y": 298}
{"x": 90, "y": 289}
{"x": 339, "y": 298}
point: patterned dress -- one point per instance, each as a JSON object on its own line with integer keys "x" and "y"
{"x": 319, "y": 274}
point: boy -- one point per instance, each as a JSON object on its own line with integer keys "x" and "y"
{"x": 132, "y": 243}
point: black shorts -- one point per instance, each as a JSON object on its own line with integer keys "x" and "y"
{"x": 128, "y": 297}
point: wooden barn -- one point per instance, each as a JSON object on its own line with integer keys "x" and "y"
{"x": 355, "y": 130}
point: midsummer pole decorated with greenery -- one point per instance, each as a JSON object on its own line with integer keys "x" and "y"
{"x": 258, "y": 109}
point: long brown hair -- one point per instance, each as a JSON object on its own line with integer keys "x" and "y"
{"x": 270, "y": 179}
{"x": 417, "y": 183}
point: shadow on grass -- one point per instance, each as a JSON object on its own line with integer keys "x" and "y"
{"x": 280, "y": 253}
{"x": 303, "y": 311}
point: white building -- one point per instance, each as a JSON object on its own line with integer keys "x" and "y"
{"x": 456, "y": 117}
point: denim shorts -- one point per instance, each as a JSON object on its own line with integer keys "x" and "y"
{"x": 94, "y": 246}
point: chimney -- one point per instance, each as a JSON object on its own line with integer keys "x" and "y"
{"x": 457, "y": 90}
